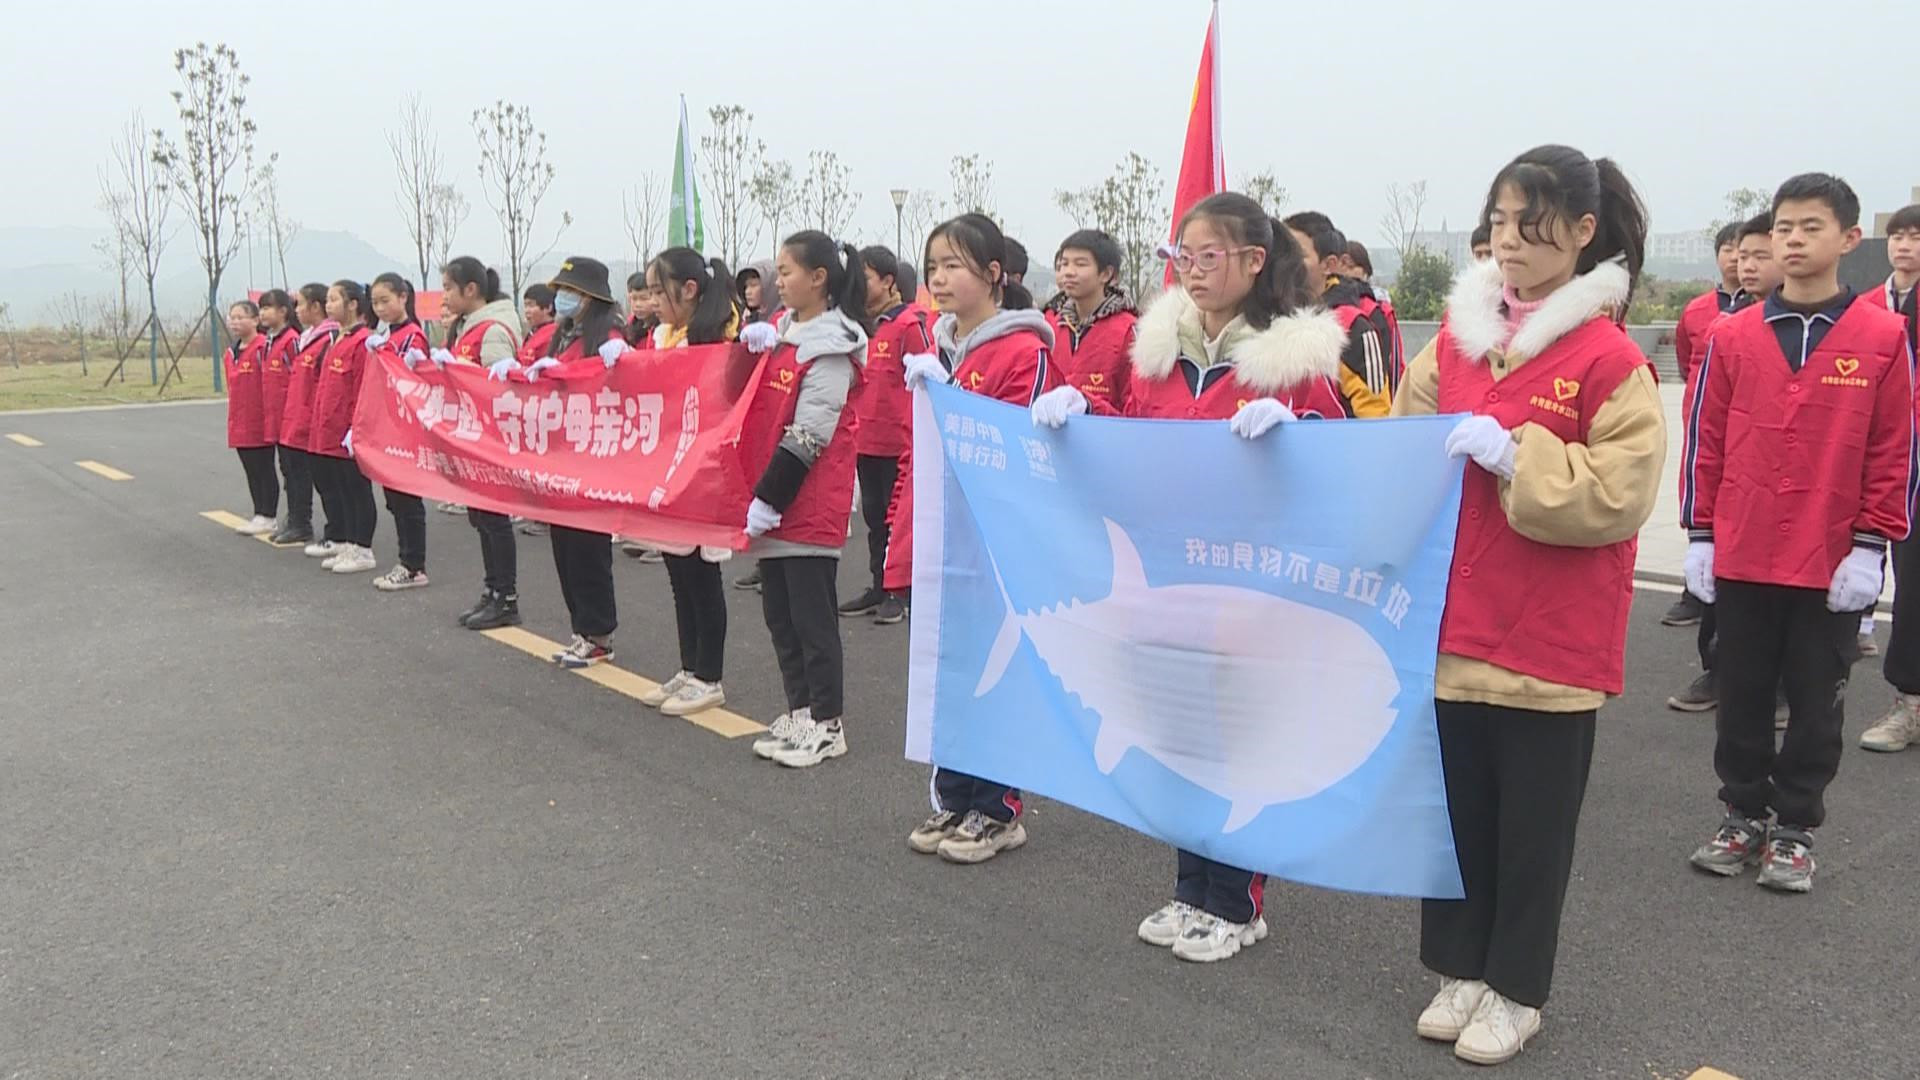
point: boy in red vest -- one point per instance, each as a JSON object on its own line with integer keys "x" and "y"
{"x": 1900, "y": 728}
{"x": 1092, "y": 318}
{"x": 1366, "y": 371}
{"x": 1689, "y": 343}
{"x": 1798, "y": 475}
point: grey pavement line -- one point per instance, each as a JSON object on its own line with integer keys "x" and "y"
{"x": 109, "y": 408}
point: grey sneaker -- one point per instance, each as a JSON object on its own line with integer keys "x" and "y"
{"x": 1735, "y": 846}
{"x": 1788, "y": 865}
{"x": 1701, "y": 695}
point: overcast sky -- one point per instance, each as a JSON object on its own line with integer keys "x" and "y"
{"x": 1338, "y": 99}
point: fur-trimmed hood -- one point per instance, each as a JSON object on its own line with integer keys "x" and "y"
{"x": 1290, "y": 351}
{"x": 1477, "y": 319}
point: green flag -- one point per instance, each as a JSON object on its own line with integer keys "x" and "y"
{"x": 684, "y": 228}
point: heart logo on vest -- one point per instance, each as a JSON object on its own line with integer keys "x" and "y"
{"x": 1097, "y": 377}
{"x": 786, "y": 375}
{"x": 974, "y": 380}
{"x": 1563, "y": 389}
{"x": 1846, "y": 365}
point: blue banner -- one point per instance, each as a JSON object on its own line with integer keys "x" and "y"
{"x": 1222, "y": 643}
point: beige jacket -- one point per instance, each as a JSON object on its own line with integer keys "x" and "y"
{"x": 1568, "y": 494}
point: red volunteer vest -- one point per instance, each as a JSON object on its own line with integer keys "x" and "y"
{"x": 296, "y": 419}
{"x": 467, "y": 348}
{"x": 273, "y": 386}
{"x": 1216, "y": 393}
{"x": 246, "y": 390}
{"x": 336, "y": 392}
{"x": 537, "y": 343}
{"x": 1097, "y": 360}
{"x": 884, "y": 404}
{"x": 1555, "y": 613}
{"x": 818, "y": 514}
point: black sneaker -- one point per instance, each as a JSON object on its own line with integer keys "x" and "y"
{"x": 892, "y": 610}
{"x": 1685, "y": 611}
{"x": 500, "y": 611}
{"x": 1701, "y": 695}
{"x": 749, "y": 580}
{"x": 865, "y": 604}
{"x": 289, "y": 535}
{"x": 486, "y": 597}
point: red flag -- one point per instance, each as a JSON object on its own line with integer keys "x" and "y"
{"x": 1202, "y": 170}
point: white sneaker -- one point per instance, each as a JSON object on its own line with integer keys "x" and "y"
{"x": 658, "y": 696}
{"x": 357, "y": 560}
{"x": 320, "y": 549}
{"x": 694, "y": 696}
{"x": 813, "y": 743}
{"x": 1451, "y": 1009}
{"x": 258, "y": 525}
{"x": 399, "y": 578}
{"x": 339, "y": 552}
{"x": 1165, "y": 926}
{"x": 785, "y": 726}
{"x": 1897, "y": 730}
{"x": 1209, "y": 938}
{"x": 1499, "y": 1030}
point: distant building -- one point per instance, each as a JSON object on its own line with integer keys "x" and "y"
{"x": 1690, "y": 246}
{"x": 1880, "y": 219}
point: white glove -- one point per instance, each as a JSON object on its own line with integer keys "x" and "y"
{"x": 759, "y": 337}
{"x": 923, "y": 367}
{"x": 534, "y": 369}
{"x": 378, "y": 338}
{"x": 501, "y": 368}
{"x": 1051, "y": 409}
{"x": 613, "y": 350}
{"x": 1698, "y": 569}
{"x": 1486, "y": 442}
{"x": 1856, "y": 581}
{"x": 1257, "y": 417}
{"x": 440, "y": 357}
{"x": 412, "y": 358}
{"x": 761, "y": 518}
{"x": 348, "y": 443}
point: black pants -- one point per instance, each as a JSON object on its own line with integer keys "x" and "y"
{"x": 584, "y": 561}
{"x": 1778, "y": 636}
{"x": 410, "y": 527}
{"x": 1228, "y": 892}
{"x": 1709, "y": 636}
{"x": 498, "y": 552}
{"x": 1515, "y": 782}
{"x": 326, "y": 484}
{"x": 262, "y": 486}
{"x": 1903, "y": 647}
{"x": 353, "y": 492}
{"x": 803, "y": 616}
{"x": 700, "y": 614}
{"x": 877, "y": 476}
{"x": 959, "y": 793}
{"x": 298, "y": 475}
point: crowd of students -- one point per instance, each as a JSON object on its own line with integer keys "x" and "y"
{"x": 1797, "y": 479}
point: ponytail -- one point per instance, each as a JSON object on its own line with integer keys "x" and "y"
{"x": 400, "y": 287}
{"x": 467, "y": 270}
{"x": 979, "y": 241}
{"x": 1559, "y": 183}
{"x": 846, "y": 285}
{"x": 1282, "y": 285}
{"x": 1621, "y": 231}
{"x": 714, "y": 311}
{"x": 356, "y": 294}
{"x": 278, "y": 300}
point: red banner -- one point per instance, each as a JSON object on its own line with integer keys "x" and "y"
{"x": 648, "y": 448}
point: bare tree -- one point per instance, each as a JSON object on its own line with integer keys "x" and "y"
{"x": 775, "y": 193}
{"x": 972, "y": 184}
{"x": 6, "y": 329}
{"x": 922, "y": 212}
{"x": 827, "y": 198}
{"x": 514, "y": 177}
{"x": 281, "y": 229}
{"x": 134, "y": 193}
{"x": 70, "y": 311}
{"x": 1265, "y": 188}
{"x": 731, "y": 158}
{"x": 208, "y": 171}
{"x": 1131, "y": 207}
{"x": 642, "y": 208}
{"x": 421, "y": 172}
{"x": 1076, "y": 204}
{"x": 1401, "y": 223}
{"x": 446, "y": 212}
{"x": 113, "y": 312}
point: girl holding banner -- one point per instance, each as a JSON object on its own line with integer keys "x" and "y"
{"x": 1565, "y": 444}
{"x": 484, "y": 330}
{"x": 1239, "y": 341}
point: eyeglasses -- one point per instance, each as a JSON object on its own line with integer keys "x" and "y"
{"x": 1206, "y": 260}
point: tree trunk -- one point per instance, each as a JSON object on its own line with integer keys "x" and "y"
{"x": 153, "y": 336}
{"x": 213, "y": 331}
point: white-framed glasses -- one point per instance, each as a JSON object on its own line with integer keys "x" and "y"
{"x": 1206, "y": 260}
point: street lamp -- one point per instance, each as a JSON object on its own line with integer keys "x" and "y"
{"x": 899, "y": 217}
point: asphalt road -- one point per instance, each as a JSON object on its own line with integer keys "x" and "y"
{"x": 257, "y": 820}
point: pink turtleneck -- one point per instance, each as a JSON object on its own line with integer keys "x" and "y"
{"x": 1518, "y": 310}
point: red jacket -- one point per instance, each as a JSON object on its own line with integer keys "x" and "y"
{"x": 1013, "y": 365}
{"x": 537, "y": 343}
{"x": 1295, "y": 360}
{"x": 1884, "y": 297}
{"x": 246, "y": 379}
{"x": 296, "y": 415}
{"x": 1555, "y": 613}
{"x": 817, "y": 516}
{"x": 1097, "y": 360}
{"x": 1700, "y": 343}
{"x": 1690, "y": 333}
{"x": 336, "y": 393}
{"x": 883, "y": 404}
{"x": 273, "y": 387}
{"x": 1786, "y": 471}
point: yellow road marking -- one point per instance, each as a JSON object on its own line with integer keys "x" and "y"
{"x": 725, "y": 724}
{"x": 236, "y": 523}
{"x": 25, "y": 440}
{"x": 1711, "y": 1074}
{"x": 107, "y": 471}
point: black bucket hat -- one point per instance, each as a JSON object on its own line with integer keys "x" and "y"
{"x": 585, "y": 275}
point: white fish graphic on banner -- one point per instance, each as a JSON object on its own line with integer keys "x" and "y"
{"x": 1257, "y": 699}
